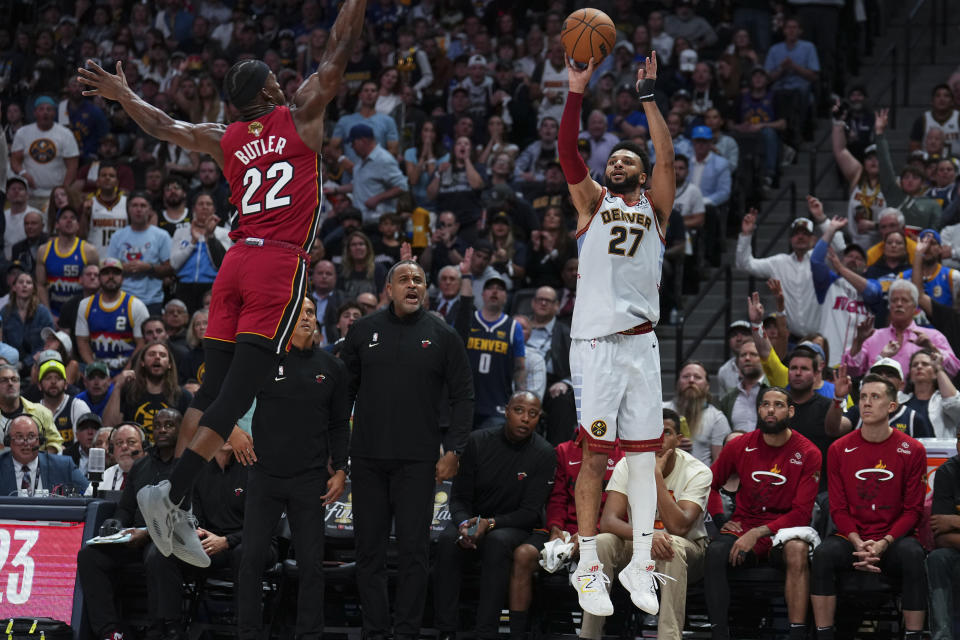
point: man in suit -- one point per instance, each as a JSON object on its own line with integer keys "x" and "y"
{"x": 327, "y": 298}
{"x": 447, "y": 303}
{"x": 85, "y": 432}
{"x": 551, "y": 338}
{"x": 24, "y": 466}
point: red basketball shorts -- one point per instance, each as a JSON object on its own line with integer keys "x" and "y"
{"x": 257, "y": 296}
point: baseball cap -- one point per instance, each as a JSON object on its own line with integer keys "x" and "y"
{"x": 688, "y": 60}
{"x": 477, "y": 59}
{"x": 738, "y": 325}
{"x": 870, "y": 149}
{"x": 47, "y": 355}
{"x": 494, "y": 280}
{"x": 933, "y": 232}
{"x": 770, "y": 318}
{"x": 623, "y": 44}
{"x": 813, "y": 346}
{"x": 44, "y": 100}
{"x": 97, "y": 367}
{"x": 47, "y": 332}
{"x": 888, "y": 363}
{"x": 10, "y": 354}
{"x": 14, "y": 264}
{"x": 89, "y": 421}
{"x": 52, "y": 365}
{"x": 483, "y": 245}
{"x": 584, "y": 145}
{"x": 802, "y": 224}
{"x": 702, "y": 132}
{"x": 111, "y": 263}
{"x": 360, "y": 131}
{"x": 500, "y": 216}
{"x": 680, "y": 94}
{"x": 759, "y": 69}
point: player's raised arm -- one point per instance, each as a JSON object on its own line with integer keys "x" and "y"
{"x": 321, "y": 87}
{"x": 203, "y": 137}
{"x": 584, "y": 190}
{"x": 663, "y": 182}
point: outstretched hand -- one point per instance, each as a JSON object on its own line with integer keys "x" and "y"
{"x": 647, "y": 69}
{"x": 754, "y": 308}
{"x": 465, "y": 263}
{"x": 881, "y": 118}
{"x": 815, "y": 207}
{"x": 102, "y": 83}
{"x": 749, "y": 223}
{"x": 579, "y": 78}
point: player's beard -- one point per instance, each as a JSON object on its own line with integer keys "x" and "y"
{"x": 691, "y": 404}
{"x": 773, "y": 429}
{"x": 629, "y": 184}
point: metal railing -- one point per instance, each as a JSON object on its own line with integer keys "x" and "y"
{"x": 791, "y": 190}
{"x": 725, "y": 310}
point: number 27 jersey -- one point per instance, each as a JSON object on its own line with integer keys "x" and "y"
{"x": 274, "y": 179}
{"x": 618, "y": 280}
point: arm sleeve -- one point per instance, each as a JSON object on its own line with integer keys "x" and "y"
{"x": 535, "y": 491}
{"x": 722, "y": 467}
{"x": 950, "y": 362}
{"x": 574, "y": 169}
{"x": 823, "y": 277}
{"x": 839, "y": 507}
{"x": 873, "y": 294}
{"x": 395, "y": 177}
{"x": 913, "y": 495}
{"x": 392, "y": 134}
{"x": 519, "y": 348}
{"x": 181, "y": 248}
{"x": 216, "y": 249}
{"x": 722, "y": 193}
{"x": 70, "y": 148}
{"x": 892, "y": 192}
{"x": 950, "y": 408}
{"x": 460, "y": 386}
{"x": 462, "y": 493}
{"x": 758, "y": 268}
{"x": 338, "y": 429}
{"x": 807, "y": 489}
{"x": 776, "y": 372}
{"x": 559, "y": 497}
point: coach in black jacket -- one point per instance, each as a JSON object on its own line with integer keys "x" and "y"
{"x": 398, "y": 360}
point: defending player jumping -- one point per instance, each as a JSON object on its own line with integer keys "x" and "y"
{"x": 614, "y": 357}
{"x": 270, "y": 156}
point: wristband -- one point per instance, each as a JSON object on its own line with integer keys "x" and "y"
{"x": 341, "y": 158}
{"x": 758, "y": 328}
{"x": 645, "y": 89}
{"x": 838, "y": 402}
{"x": 463, "y": 523}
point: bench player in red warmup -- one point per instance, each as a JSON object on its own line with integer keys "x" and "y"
{"x": 270, "y": 156}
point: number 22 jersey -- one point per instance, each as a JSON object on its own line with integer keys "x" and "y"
{"x": 618, "y": 280}
{"x": 274, "y": 179}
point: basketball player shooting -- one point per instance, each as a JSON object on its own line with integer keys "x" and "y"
{"x": 270, "y": 156}
{"x": 614, "y": 355}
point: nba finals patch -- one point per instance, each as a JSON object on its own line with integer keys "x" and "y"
{"x": 255, "y": 128}
{"x": 598, "y": 428}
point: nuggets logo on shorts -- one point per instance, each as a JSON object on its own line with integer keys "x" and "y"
{"x": 598, "y": 428}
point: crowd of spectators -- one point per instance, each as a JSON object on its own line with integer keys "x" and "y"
{"x": 443, "y": 146}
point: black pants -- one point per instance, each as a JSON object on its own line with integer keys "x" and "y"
{"x": 496, "y": 558}
{"x": 96, "y": 568}
{"x": 715, "y": 586}
{"x": 561, "y": 417}
{"x": 165, "y": 579}
{"x": 904, "y": 561}
{"x": 385, "y": 490}
{"x": 267, "y": 498}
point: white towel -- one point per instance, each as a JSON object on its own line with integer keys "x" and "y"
{"x": 556, "y": 552}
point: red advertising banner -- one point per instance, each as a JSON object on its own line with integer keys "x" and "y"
{"x": 38, "y": 568}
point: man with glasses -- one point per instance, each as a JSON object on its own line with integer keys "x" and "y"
{"x": 127, "y": 444}
{"x": 24, "y": 468}
{"x": 551, "y": 339}
{"x": 12, "y": 404}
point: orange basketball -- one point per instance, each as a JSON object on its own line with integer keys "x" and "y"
{"x": 588, "y": 33}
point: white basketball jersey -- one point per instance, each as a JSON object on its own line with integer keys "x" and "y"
{"x": 872, "y": 202}
{"x": 842, "y": 310}
{"x": 104, "y": 221}
{"x": 950, "y": 128}
{"x": 618, "y": 280}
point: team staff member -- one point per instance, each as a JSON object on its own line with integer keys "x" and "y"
{"x": 876, "y": 484}
{"x": 505, "y": 481}
{"x": 402, "y": 356}
{"x": 300, "y": 422}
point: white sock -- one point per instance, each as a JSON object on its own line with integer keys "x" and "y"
{"x": 642, "y": 496}
{"x": 588, "y": 552}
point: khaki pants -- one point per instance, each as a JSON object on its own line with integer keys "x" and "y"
{"x": 686, "y": 566}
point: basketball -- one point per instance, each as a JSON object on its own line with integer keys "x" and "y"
{"x": 588, "y": 33}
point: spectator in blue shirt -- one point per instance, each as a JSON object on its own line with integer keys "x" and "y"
{"x": 709, "y": 170}
{"x": 24, "y": 318}
{"x": 144, "y": 250}
{"x": 377, "y": 178}
{"x": 794, "y": 67}
{"x": 384, "y": 128}
{"x": 86, "y": 121}
{"x": 197, "y": 251}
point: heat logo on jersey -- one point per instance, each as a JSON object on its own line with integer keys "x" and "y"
{"x": 774, "y": 473}
{"x": 878, "y": 472}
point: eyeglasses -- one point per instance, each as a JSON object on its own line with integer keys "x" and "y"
{"x": 9, "y": 379}
{"x": 24, "y": 439}
{"x": 129, "y": 443}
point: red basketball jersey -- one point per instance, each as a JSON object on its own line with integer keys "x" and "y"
{"x": 274, "y": 179}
